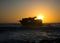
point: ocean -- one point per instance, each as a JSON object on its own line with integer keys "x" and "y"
{"x": 15, "y": 32}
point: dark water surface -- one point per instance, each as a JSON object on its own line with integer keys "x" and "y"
{"x": 18, "y": 33}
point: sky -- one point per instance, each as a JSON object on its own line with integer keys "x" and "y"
{"x": 11, "y": 11}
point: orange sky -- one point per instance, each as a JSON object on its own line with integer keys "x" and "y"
{"x": 12, "y": 11}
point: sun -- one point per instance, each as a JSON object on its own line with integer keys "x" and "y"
{"x": 40, "y": 17}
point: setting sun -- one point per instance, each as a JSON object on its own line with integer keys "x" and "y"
{"x": 40, "y": 17}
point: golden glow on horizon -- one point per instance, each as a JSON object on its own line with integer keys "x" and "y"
{"x": 40, "y": 17}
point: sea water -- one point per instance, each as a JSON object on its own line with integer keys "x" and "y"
{"x": 29, "y": 34}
